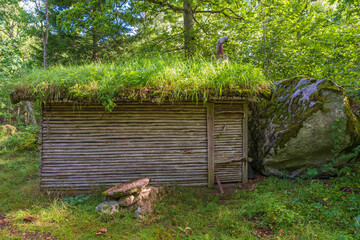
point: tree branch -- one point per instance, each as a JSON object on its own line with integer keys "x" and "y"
{"x": 233, "y": 16}
{"x": 165, "y": 4}
{"x": 202, "y": 28}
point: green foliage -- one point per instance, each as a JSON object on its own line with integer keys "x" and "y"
{"x": 10, "y": 58}
{"x": 77, "y": 200}
{"x": 281, "y": 204}
{"x": 25, "y": 140}
{"x": 158, "y": 78}
{"x": 270, "y": 210}
{"x": 312, "y": 172}
{"x": 338, "y": 135}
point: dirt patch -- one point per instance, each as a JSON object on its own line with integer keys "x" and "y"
{"x": 348, "y": 190}
{"x": 231, "y": 187}
{"x": 251, "y": 184}
{"x": 5, "y": 223}
{"x": 264, "y": 232}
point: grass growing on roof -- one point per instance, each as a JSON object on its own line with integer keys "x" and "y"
{"x": 159, "y": 78}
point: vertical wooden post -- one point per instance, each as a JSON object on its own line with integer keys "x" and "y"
{"x": 245, "y": 144}
{"x": 211, "y": 145}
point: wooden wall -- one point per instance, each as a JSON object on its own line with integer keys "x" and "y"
{"x": 228, "y": 139}
{"x": 85, "y": 147}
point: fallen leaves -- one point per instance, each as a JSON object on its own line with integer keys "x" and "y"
{"x": 30, "y": 219}
{"x": 102, "y": 231}
{"x": 264, "y": 232}
{"x": 347, "y": 189}
{"x": 14, "y": 232}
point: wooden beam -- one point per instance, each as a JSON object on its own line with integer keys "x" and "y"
{"x": 211, "y": 145}
{"x": 245, "y": 144}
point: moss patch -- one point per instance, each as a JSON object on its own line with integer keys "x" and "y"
{"x": 299, "y": 111}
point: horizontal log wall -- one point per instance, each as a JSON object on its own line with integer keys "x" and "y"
{"x": 86, "y": 147}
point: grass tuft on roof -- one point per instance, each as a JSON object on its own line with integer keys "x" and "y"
{"x": 142, "y": 79}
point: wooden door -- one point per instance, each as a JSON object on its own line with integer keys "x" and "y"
{"x": 228, "y": 142}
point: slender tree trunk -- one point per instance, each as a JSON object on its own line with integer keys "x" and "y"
{"x": 188, "y": 29}
{"x": 95, "y": 45}
{"x": 31, "y": 112}
{"x": 265, "y": 44}
{"x": 45, "y": 38}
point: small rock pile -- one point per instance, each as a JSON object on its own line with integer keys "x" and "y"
{"x": 134, "y": 194}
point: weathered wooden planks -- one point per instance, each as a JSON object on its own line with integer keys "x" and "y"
{"x": 210, "y": 139}
{"x": 228, "y": 142}
{"x": 84, "y": 147}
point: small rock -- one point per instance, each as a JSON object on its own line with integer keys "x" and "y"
{"x": 145, "y": 200}
{"x": 150, "y": 193}
{"x": 126, "y": 201}
{"x": 108, "y": 207}
{"x": 127, "y": 188}
{"x": 144, "y": 208}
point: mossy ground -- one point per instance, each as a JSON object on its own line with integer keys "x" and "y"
{"x": 276, "y": 209}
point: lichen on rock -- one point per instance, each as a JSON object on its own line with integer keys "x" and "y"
{"x": 108, "y": 207}
{"x": 292, "y": 131}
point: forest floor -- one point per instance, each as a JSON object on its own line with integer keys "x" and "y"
{"x": 273, "y": 208}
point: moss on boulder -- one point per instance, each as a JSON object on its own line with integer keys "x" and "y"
{"x": 293, "y": 130}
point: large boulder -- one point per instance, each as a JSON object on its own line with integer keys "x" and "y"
{"x": 303, "y": 124}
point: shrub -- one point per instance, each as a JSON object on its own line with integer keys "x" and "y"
{"x": 23, "y": 140}
{"x": 8, "y": 130}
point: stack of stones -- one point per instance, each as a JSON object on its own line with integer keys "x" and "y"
{"x": 130, "y": 195}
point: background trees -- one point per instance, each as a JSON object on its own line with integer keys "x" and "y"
{"x": 283, "y": 37}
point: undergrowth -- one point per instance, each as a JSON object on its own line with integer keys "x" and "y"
{"x": 157, "y": 78}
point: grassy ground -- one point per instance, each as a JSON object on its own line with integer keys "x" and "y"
{"x": 275, "y": 208}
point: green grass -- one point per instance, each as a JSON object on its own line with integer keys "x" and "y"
{"x": 157, "y": 78}
{"x": 280, "y": 208}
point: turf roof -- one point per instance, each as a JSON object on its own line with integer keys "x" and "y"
{"x": 146, "y": 79}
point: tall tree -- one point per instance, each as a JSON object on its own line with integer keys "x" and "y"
{"x": 100, "y": 20}
{"x": 189, "y": 9}
{"x": 42, "y": 11}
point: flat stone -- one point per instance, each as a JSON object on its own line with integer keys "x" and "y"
{"x": 127, "y": 188}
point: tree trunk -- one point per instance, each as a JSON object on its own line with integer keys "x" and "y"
{"x": 45, "y": 38}
{"x": 31, "y": 112}
{"x": 188, "y": 30}
{"x": 265, "y": 44}
{"x": 95, "y": 45}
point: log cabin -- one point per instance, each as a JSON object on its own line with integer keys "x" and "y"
{"x": 104, "y": 126}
